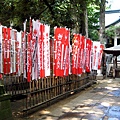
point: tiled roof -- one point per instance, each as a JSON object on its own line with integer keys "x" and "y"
{"x": 114, "y": 23}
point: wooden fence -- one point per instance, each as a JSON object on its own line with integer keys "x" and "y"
{"x": 27, "y": 97}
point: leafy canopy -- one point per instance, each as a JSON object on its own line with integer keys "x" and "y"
{"x": 54, "y": 12}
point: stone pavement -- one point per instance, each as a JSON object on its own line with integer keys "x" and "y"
{"x": 101, "y": 101}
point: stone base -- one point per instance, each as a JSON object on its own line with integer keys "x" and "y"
{"x": 100, "y": 77}
{"x": 117, "y": 78}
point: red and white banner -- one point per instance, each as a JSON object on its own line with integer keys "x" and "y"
{"x": 4, "y": 29}
{"x": 19, "y": 53}
{"x": 101, "y": 47}
{"x": 47, "y": 50}
{"x": 1, "y": 50}
{"x": 34, "y": 50}
{"x": 41, "y": 44}
{"x": 13, "y": 50}
{"x": 95, "y": 55}
{"x": 6, "y": 57}
{"x": 66, "y": 58}
{"x": 24, "y": 49}
{"x": 51, "y": 53}
{"x": 79, "y": 54}
{"x": 84, "y": 53}
{"x": 29, "y": 58}
{"x": 61, "y": 51}
{"x": 59, "y": 37}
{"x": 88, "y": 54}
{"x": 29, "y": 53}
{"x": 75, "y": 44}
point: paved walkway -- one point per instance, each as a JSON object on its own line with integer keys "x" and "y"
{"x": 98, "y": 102}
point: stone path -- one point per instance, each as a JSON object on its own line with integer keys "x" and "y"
{"x": 98, "y": 102}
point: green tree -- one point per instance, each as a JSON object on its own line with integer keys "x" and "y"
{"x": 75, "y": 14}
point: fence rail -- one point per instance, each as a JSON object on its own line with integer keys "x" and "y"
{"x": 28, "y": 96}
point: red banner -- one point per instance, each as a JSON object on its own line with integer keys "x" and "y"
{"x": 41, "y": 41}
{"x": 75, "y": 44}
{"x": 79, "y": 54}
{"x": 59, "y": 38}
{"x": 8, "y": 49}
{"x": 29, "y": 59}
{"x": 88, "y": 54}
{"x": 6, "y": 58}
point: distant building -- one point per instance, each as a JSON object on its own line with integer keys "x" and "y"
{"x": 115, "y": 40}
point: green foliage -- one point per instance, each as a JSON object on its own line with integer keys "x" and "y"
{"x": 93, "y": 34}
{"x": 54, "y": 12}
{"x": 93, "y": 20}
{"x": 111, "y": 31}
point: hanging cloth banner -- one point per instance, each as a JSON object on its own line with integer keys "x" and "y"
{"x": 95, "y": 55}
{"x": 29, "y": 56}
{"x": 29, "y": 60}
{"x": 47, "y": 50}
{"x": 39, "y": 47}
{"x": 59, "y": 36}
{"x": 66, "y": 55}
{"x": 41, "y": 44}
{"x": 19, "y": 53}
{"x": 6, "y": 57}
{"x": 84, "y": 53}
{"x": 4, "y": 50}
{"x": 24, "y": 49}
{"x": 34, "y": 50}
{"x": 64, "y": 42}
{"x": 69, "y": 51}
{"x": 1, "y": 50}
{"x": 101, "y": 47}
{"x": 91, "y": 55}
{"x": 88, "y": 51}
{"x": 79, "y": 54}
{"x": 51, "y": 54}
{"x": 75, "y": 45}
{"x": 82, "y": 56}
{"x": 54, "y": 55}
{"x": 13, "y": 50}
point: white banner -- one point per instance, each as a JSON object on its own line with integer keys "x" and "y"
{"x": 47, "y": 50}
{"x": 34, "y": 50}
{"x": 24, "y": 49}
{"x": 95, "y": 55}
{"x": 19, "y": 50}
{"x": 13, "y": 51}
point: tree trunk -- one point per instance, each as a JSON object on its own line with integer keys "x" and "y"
{"x": 84, "y": 19}
{"x": 81, "y": 18}
{"x": 102, "y": 22}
